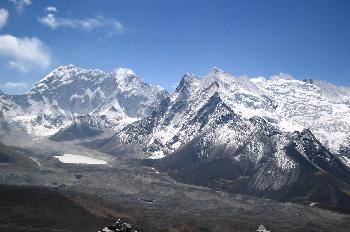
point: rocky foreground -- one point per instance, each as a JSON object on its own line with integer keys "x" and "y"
{"x": 98, "y": 194}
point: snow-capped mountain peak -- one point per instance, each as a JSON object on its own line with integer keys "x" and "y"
{"x": 66, "y": 75}
{"x": 68, "y": 91}
{"x": 217, "y": 71}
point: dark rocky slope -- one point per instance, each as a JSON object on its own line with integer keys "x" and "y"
{"x": 79, "y": 129}
{"x": 316, "y": 176}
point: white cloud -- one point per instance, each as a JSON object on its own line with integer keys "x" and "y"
{"x": 4, "y": 14}
{"x": 13, "y": 85}
{"x": 21, "y": 4}
{"x": 18, "y": 66}
{"x": 51, "y": 9}
{"x": 85, "y": 24}
{"x": 24, "y": 54}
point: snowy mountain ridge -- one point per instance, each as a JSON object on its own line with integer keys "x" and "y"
{"x": 288, "y": 104}
{"x": 119, "y": 98}
{"x": 116, "y": 98}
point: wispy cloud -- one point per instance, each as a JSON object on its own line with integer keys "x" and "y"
{"x": 112, "y": 25}
{"x": 20, "y": 5}
{"x": 51, "y": 9}
{"x": 13, "y": 85}
{"x": 4, "y": 14}
{"x": 24, "y": 54}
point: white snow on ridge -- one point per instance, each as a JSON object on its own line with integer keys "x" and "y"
{"x": 286, "y": 103}
{"x": 345, "y": 160}
{"x": 116, "y": 99}
{"x": 78, "y": 159}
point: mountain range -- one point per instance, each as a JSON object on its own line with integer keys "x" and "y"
{"x": 274, "y": 137}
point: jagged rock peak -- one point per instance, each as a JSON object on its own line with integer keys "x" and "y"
{"x": 310, "y": 81}
{"x": 186, "y": 81}
{"x": 218, "y": 73}
{"x": 217, "y": 70}
{"x": 68, "y": 71}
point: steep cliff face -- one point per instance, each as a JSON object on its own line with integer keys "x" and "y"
{"x": 282, "y": 166}
{"x": 79, "y": 129}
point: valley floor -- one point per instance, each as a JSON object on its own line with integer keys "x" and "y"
{"x": 36, "y": 183}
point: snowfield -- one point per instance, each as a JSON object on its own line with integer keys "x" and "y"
{"x": 78, "y": 159}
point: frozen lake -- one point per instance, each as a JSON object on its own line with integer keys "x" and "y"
{"x": 78, "y": 159}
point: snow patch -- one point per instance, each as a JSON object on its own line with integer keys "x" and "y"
{"x": 157, "y": 155}
{"x": 345, "y": 160}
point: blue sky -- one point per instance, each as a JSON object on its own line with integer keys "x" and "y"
{"x": 163, "y": 39}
